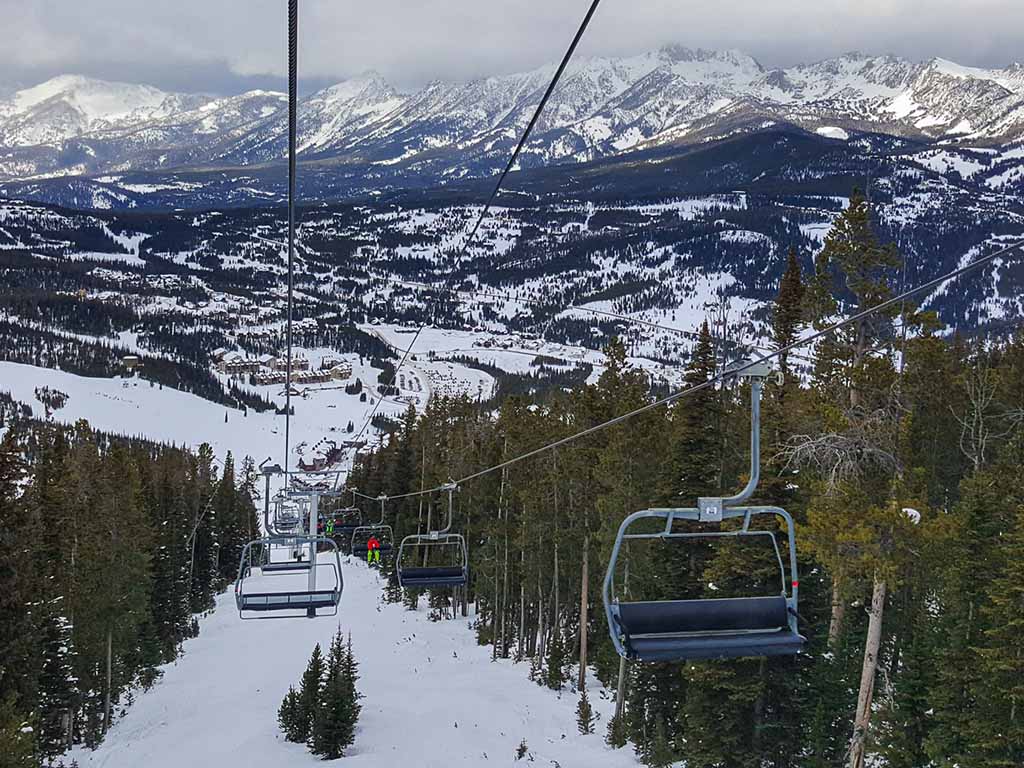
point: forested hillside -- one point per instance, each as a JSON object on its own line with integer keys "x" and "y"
{"x": 899, "y": 458}
{"x": 109, "y": 550}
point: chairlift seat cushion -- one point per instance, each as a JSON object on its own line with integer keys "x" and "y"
{"x": 432, "y": 577}
{"x": 283, "y": 601}
{"x": 285, "y": 566}
{"x": 715, "y": 646}
{"x": 737, "y": 614}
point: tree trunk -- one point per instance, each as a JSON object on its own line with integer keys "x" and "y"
{"x": 584, "y": 602}
{"x": 620, "y": 690}
{"x": 835, "y": 624}
{"x": 464, "y": 594}
{"x": 106, "y": 698}
{"x": 557, "y": 606}
{"x": 520, "y": 635}
{"x": 520, "y": 649}
{"x": 426, "y": 550}
{"x": 504, "y": 600}
{"x": 862, "y": 721}
{"x": 759, "y": 704}
{"x": 542, "y": 620}
{"x": 500, "y": 632}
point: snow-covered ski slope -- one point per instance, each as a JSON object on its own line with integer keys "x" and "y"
{"x": 133, "y": 407}
{"x": 432, "y": 697}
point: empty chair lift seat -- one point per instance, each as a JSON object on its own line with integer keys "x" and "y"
{"x": 285, "y": 566}
{"x": 706, "y": 629}
{"x": 449, "y": 576}
{"x": 276, "y": 601}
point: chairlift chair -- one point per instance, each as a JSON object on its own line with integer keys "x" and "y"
{"x": 385, "y": 535}
{"x": 311, "y": 601}
{"x": 450, "y": 548}
{"x": 721, "y": 628}
{"x": 346, "y": 520}
{"x": 287, "y": 516}
{"x": 300, "y": 597}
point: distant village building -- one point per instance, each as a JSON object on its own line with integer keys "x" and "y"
{"x": 269, "y": 377}
{"x": 224, "y": 358}
{"x": 299, "y": 363}
{"x": 240, "y": 366}
{"x": 130, "y": 362}
{"x": 298, "y": 377}
{"x": 341, "y": 371}
{"x": 311, "y": 377}
{"x": 235, "y": 364}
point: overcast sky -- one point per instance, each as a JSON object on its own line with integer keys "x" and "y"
{"x": 225, "y": 46}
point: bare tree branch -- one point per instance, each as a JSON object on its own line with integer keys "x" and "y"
{"x": 841, "y": 457}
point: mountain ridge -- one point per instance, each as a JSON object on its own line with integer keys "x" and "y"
{"x": 72, "y": 126}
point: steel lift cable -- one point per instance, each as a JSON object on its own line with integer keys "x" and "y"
{"x": 692, "y": 335}
{"x": 731, "y": 373}
{"x": 293, "y": 68}
{"x": 494, "y": 193}
{"x": 311, "y": 600}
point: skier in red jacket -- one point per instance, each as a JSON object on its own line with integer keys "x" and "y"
{"x": 373, "y": 550}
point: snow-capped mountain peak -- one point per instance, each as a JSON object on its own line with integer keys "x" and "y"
{"x": 603, "y": 106}
{"x": 71, "y": 105}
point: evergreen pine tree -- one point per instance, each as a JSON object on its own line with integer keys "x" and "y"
{"x": 584, "y": 713}
{"x": 999, "y": 741}
{"x": 349, "y": 695}
{"x": 554, "y": 673}
{"x": 288, "y": 717}
{"x": 17, "y": 745}
{"x": 617, "y": 734}
{"x": 203, "y": 559}
{"x": 904, "y": 721}
{"x": 788, "y": 311}
{"x": 57, "y": 684}
{"x": 334, "y": 723}
{"x": 969, "y": 552}
{"x": 230, "y": 520}
{"x": 659, "y": 754}
{"x": 309, "y": 696}
{"x": 18, "y": 642}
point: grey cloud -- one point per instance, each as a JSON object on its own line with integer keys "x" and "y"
{"x": 225, "y": 46}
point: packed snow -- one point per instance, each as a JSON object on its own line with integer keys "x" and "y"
{"x": 832, "y": 132}
{"x": 132, "y": 406}
{"x": 433, "y": 698}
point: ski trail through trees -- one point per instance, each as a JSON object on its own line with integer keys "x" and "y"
{"x": 432, "y": 696}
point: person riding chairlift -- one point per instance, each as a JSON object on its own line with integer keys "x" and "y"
{"x": 373, "y": 551}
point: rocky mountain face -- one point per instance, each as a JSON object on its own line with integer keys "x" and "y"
{"x": 116, "y": 135}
